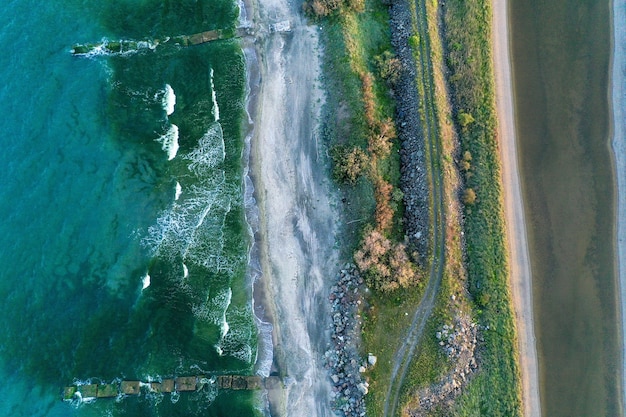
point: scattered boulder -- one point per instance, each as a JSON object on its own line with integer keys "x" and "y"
{"x": 371, "y": 359}
{"x": 342, "y": 357}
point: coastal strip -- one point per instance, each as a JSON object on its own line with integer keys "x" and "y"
{"x": 298, "y": 221}
{"x": 519, "y": 261}
{"x": 617, "y": 102}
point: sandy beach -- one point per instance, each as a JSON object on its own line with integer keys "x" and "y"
{"x": 617, "y": 102}
{"x": 519, "y": 262}
{"x": 297, "y": 228}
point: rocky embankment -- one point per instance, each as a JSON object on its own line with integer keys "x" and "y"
{"x": 458, "y": 341}
{"x": 414, "y": 179}
{"x": 342, "y": 358}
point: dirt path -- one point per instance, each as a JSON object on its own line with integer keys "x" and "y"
{"x": 406, "y": 352}
{"x": 521, "y": 279}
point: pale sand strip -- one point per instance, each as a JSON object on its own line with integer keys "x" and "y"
{"x": 298, "y": 224}
{"x": 617, "y": 101}
{"x": 519, "y": 262}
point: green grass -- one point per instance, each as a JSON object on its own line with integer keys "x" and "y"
{"x": 496, "y": 389}
{"x": 351, "y": 42}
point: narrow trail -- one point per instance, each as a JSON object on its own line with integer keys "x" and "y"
{"x": 428, "y": 113}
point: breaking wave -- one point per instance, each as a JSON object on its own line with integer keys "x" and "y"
{"x": 216, "y": 107}
{"x": 169, "y": 100}
{"x": 169, "y": 142}
{"x": 193, "y": 227}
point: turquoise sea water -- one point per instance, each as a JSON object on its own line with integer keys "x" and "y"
{"x": 123, "y": 241}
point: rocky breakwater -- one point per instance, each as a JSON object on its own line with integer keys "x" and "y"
{"x": 458, "y": 342}
{"x": 414, "y": 175}
{"x": 342, "y": 358}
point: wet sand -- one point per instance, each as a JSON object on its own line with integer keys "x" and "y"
{"x": 618, "y": 101}
{"x": 519, "y": 261}
{"x": 298, "y": 222}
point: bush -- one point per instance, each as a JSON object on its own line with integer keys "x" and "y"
{"x": 389, "y": 67}
{"x": 321, "y": 8}
{"x": 348, "y": 163}
{"x": 384, "y": 211}
{"x": 383, "y": 134}
{"x": 469, "y": 197}
{"x": 386, "y": 267}
{"x": 465, "y": 119}
{"x": 356, "y": 5}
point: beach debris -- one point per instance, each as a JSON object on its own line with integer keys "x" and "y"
{"x": 281, "y": 27}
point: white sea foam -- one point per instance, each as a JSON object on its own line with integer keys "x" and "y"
{"x": 214, "y": 310}
{"x": 169, "y": 100}
{"x": 209, "y": 153}
{"x": 216, "y": 107}
{"x": 243, "y": 15}
{"x": 169, "y": 142}
{"x": 194, "y": 226}
{"x": 179, "y": 191}
{"x": 265, "y": 350}
{"x": 237, "y": 342}
{"x": 126, "y": 48}
{"x": 145, "y": 282}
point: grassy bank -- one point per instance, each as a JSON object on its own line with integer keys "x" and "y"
{"x": 496, "y": 388}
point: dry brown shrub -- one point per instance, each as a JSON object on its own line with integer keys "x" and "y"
{"x": 381, "y": 140}
{"x": 374, "y": 247}
{"x": 369, "y": 100}
{"x": 469, "y": 196}
{"x": 386, "y": 267}
{"x": 384, "y": 211}
{"x": 321, "y": 8}
{"x": 403, "y": 269}
{"x": 356, "y": 5}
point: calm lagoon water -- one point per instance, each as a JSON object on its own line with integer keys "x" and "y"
{"x": 561, "y": 51}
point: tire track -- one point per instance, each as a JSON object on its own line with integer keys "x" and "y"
{"x": 406, "y": 352}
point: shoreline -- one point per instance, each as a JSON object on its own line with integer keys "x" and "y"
{"x": 616, "y": 114}
{"x": 297, "y": 222}
{"x": 519, "y": 261}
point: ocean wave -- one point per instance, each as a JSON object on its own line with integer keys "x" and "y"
{"x": 209, "y": 153}
{"x": 169, "y": 100}
{"x": 214, "y": 310}
{"x": 145, "y": 282}
{"x": 265, "y": 350}
{"x": 193, "y": 227}
{"x": 179, "y": 191}
{"x": 216, "y": 107}
{"x": 169, "y": 142}
{"x": 240, "y": 341}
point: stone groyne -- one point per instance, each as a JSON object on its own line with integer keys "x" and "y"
{"x": 169, "y": 385}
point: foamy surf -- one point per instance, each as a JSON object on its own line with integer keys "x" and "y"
{"x": 169, "y": 100}
{"x": 216, "y": 107}
{"x": 179, "y": 191}
{"x": 145, "y": 282}
{"x": 169, "y": 142}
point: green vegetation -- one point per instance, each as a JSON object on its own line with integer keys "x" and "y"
{"x": 496, "y": 389}
{"x": 361, "y": 69}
